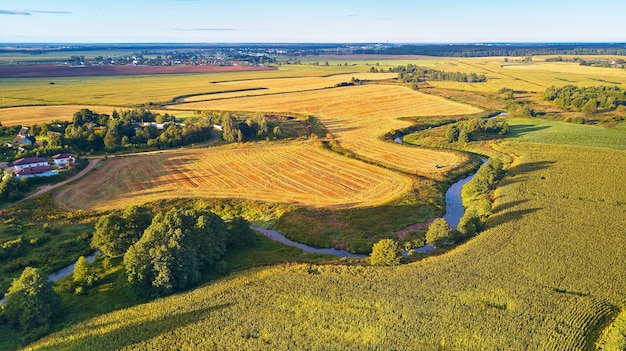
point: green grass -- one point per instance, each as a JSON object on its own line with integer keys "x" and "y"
{"x": 552, "y": 132}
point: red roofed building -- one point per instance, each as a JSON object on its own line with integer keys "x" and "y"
{"x": 30, "y": 162}
{"x": 63, "y": 160}
{"x": 33, "y": 167}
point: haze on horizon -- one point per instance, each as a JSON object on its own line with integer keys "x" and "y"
{"x": 351, "y": 21}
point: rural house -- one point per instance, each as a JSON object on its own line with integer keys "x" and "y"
{"x": 23, "y": 138}
{"x": 63, "y": 160}
{"x": 32, "y": 167}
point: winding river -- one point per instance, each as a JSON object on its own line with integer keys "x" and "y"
{"x": 454, "y": 212}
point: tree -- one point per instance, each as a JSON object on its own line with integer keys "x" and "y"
{"x": 590, "y": 107}
{"x": 439, "y": 233}
{"x": 277, "y": 132}
{"x": 112, "y": 139}
{"x": 110, "y": 235}
{"x": 470, "y": 223}
{"x": 174, "y": 249}
{"x": 240, "y": 236}
{"x": 115, "y": 232}
{"x": 30, "y": 302}
{"x": 452, "y": 133}
{"x": 83, "y": 276}
{"x": 385, "y": 253}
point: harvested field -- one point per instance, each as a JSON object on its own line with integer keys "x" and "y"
{"x": 30, "y": 115}
{"x": 295, "y": 173}
{"x": 39, "y": 71}
{"x": 358, "y": 116}
{"x": 286, "y": 85}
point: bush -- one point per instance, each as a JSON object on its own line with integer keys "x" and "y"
{"x": 385, "y": 253}
{"x": 439, "y": 233}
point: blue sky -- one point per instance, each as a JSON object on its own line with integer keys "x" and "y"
{"x": 396, "y": 21}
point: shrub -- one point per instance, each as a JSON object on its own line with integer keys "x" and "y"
{"x": 385, "y": 253}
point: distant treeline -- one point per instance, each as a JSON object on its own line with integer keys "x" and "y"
{"x": 482, "y": 50}
{"x": 616, "y": 63}
{"x": 411, "y": 73}
{"x": 586, "y": 99}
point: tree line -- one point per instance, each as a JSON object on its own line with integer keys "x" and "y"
{"x": 412, "y": 73}
{"x": 586, "y": 99}
{"x": 128, "y": 130}
{"x": 471, "y": 129}
{"x": 482, "y": 50}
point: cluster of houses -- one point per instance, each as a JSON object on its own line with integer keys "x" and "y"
{"x": 40, "y": 167}
{"x": 29, "y": 167}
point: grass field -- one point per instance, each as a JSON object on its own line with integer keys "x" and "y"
{"x": 358, "y": 117}
{"x": 548, "y": 273}
{"x": 294, "y": 173}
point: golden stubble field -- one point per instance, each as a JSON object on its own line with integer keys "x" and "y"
{"x": 359, "y": 116}
{"x": 295, "y": 173}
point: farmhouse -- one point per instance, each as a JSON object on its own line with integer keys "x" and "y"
{"x": 23, "y": 138}
{"x": 32, "y": 167}
{"x": 63, "y": 160}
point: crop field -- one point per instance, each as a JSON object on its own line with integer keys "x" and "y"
{"x": 130, "y": 90}
{"x": 285, "y": 85}
{"x": 294, "y": 173}
{"x": 358, "y": 117}
{"x": 45, "y": 114}
{"x": 533, "y": 77}
{"x": 548, "y": 273}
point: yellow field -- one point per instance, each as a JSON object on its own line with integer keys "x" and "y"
{"x": 296, "y": 173}
{"x": 358, "y": 116}
{"x": 29, "y": 115}
{"x": 534, "y": 77}
{"x": 285, "y": 85}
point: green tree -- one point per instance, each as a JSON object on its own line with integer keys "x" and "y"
{"x": 112, "y": 140}
{"x": 240, "y": 236}
{"x": 115, "y": 232}
{"x": 463, "y": 136}
{"x": 470, "y": 223}
{"x": 110, "y": 235}
{"x": 31, "y": 302}
{"x": 452, "y": 133}
{"x": 439, "y": 233}
{"x": 174, "y": 249}
{"x": 385, "y": 253}
{"x": 590, "y": 107}
{"x": 83, "y": 276}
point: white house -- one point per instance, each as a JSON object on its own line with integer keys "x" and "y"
{"x": 32, "y": 167}
{"x": 30, "y": 162}
{"x": 63, "y": 160}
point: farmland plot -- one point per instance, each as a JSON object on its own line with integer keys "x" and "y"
{"x": 294, "y": 173}
{"x": 358, "y": 116}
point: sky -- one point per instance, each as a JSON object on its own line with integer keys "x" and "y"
{"x": 317, "y": 21}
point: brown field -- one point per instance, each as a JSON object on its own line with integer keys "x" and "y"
{"x": 290, "y": 173}
{"x": 358, "y": 116}
{"x": 39, "y": 71}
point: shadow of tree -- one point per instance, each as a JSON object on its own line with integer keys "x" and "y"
{"x": 521, "y": 129}
{"x": 128, "y": 334}
{"x": 505, "y": 217}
